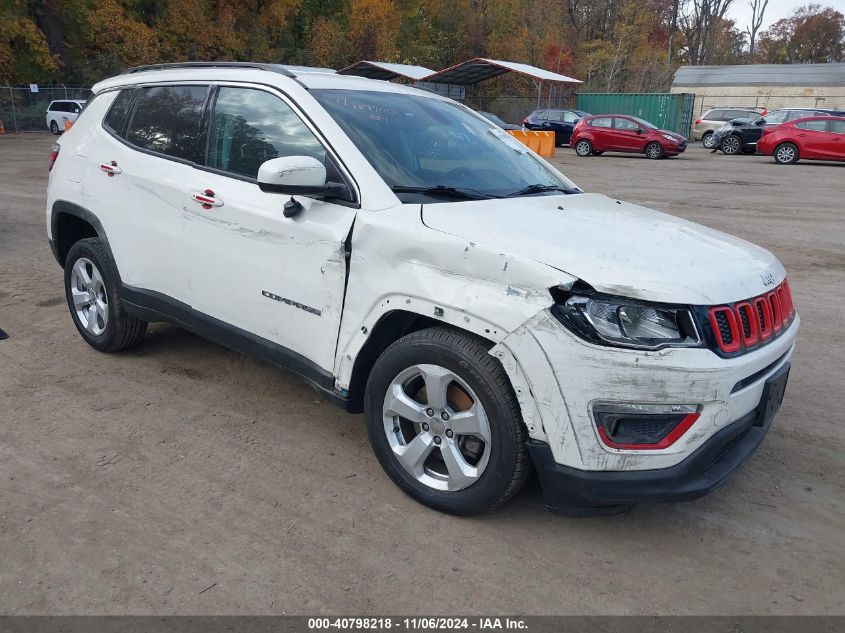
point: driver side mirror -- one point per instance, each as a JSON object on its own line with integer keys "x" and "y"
{"x": 303, "y": 175}
{"x": 639, "y": 130}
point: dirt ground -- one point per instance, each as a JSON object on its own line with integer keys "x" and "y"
{"x": 180, "y": 477}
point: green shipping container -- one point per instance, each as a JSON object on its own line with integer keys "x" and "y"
{"x": 667, "y": 111}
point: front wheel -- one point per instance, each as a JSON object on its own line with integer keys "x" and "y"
{"x": 786, "y": 154}
{"x": 654, "y": 150}
{"x": 583, "y": 148}
{"x": 731, "y": 145}
{"x": 91, "y": 285}
{"x": 444, "y": 422}
{"x": 708, "y": 140}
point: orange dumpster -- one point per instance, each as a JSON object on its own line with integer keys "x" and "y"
{"x": 541, "y": 142}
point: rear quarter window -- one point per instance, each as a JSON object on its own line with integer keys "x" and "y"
{"x": 118, "y": 112}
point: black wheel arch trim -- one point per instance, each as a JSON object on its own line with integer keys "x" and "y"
{"x": 65, "y": 207}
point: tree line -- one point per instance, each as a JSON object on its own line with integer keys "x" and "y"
{"x": 612, "y": 45}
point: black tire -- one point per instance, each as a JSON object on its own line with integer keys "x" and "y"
{"x": 707, "y": 141}
{"x": 465, "y": 356}
{"x": 54, "y": 128}
{"x": 653, "y": 150}
{"x": 731, "y": 145}
{"x": 584, "y": 148}
{"x": 121, "y": 330}
{"x": 786, "y": 154}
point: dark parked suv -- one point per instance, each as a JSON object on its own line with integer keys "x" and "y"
{"x": 741, "y": 135}
{"x": 562, "y": 122}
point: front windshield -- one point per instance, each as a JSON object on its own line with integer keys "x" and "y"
{"x": 418, "y": 143}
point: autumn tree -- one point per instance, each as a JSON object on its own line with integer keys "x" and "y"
{"x": 373, "y": 29}
{"x": 812, "y": 34}
{"x": 700, "y": 21}
{"x": 758, "y": 11}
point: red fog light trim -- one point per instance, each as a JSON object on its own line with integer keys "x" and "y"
{"x": 733, "y": 344}
{"x": 673, "y": 436}
{"x": 753, "y": 325}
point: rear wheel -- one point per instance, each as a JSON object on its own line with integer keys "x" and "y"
{"x": 786, "y": 154}
{"x": 91, "y": 284}
{"x": 583, "y": 148}
{"x": 444, "y": 422}
{"x": 708, "y": 140}
{"x": 731, "y": 145}
{"x": 654, "y": 150}
{"x": 54, "y": 127}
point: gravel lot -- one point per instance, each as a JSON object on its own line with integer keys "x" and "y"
{"x": 184, "y": 478}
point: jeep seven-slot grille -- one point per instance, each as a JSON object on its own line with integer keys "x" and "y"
{"x": 746, "y": 324}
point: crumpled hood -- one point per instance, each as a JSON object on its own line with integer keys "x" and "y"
{"x": 616, "y": 247}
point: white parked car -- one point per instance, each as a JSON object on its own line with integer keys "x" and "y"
{"x": 62, "y": 110}
{"x": 413, "y": 262}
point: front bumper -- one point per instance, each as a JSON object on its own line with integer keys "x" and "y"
{"x": 578, "y": 492}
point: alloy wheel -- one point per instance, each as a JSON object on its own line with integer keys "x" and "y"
{"x": 731, "y": 145}
{"x": 709, "y": 141}
{"x": 90, "y": 299}
{"x": 437, "y": 427}
{"x": 582, "y": 148}
{"x": 785, "y": 154}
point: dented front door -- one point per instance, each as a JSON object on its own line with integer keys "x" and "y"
{"x": 281, "y": 279}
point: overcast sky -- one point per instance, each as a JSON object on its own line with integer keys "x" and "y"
{"x": 777, "y": 9}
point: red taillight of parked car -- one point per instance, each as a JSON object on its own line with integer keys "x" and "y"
{"x": 54, "y": 154}
{"x": 698, "y": 121}
{"x": 746, "y": 324}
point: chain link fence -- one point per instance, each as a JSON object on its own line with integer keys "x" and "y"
{"x": 22, "y": 110}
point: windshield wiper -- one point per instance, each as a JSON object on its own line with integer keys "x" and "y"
{"x": 538, "y": 188}
{"x": 441, "y": 190}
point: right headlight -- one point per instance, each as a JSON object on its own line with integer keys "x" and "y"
{"x": 628, "y": 323}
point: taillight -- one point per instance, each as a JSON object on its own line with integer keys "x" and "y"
{"x": 524, "y": 122}
{"x": 698, "y": 121}
{"x": 54, "y": 154}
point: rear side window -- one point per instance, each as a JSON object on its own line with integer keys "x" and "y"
{"x": 602, "y": 122}
{"x": 252, "y": 126}
{"x": 59, "y": 106}
{"x": 816, "y": 126}
{"x": 119, "y": 111}
{"x": 167, "y": 120}
{"x": 716, "y": 115}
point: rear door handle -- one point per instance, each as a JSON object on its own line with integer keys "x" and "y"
{"x": 111, "y": 168}
{"x": 206, "y": 199}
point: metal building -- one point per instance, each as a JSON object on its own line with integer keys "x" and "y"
{"x": 769, "y": 86}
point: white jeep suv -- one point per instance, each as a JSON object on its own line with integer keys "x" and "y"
{"x": 412, "y": 261}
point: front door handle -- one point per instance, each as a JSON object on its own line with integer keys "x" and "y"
{"x": 206, "y": 199}
{"x": 111, "y": 168}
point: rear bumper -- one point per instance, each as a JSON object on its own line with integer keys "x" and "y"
{"x": 572, "y": 491}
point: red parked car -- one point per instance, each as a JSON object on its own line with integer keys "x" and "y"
{"x": 594, "y": 135}
{"x": 810, "y": 138}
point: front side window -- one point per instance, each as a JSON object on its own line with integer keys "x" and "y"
{"x": 779, "y": 116}
{"x": 167, "y": 120}
{"x": 570, "y": 117}
{"x": 837, "y": 126}
{"x": 251, "y": 126}
{"x": 627, "y": 125}
{"x": 422, "y": 143}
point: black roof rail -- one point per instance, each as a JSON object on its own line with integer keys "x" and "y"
{"x": 273, "y": 68}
